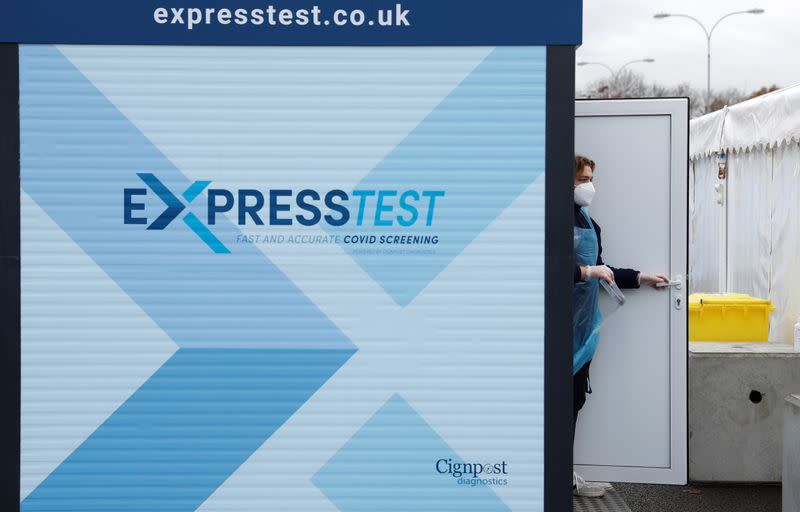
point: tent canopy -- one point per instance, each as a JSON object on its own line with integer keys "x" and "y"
{"x": 766, "y": 121}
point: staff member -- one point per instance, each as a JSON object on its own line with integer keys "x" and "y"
{"x": 589, "y": 269}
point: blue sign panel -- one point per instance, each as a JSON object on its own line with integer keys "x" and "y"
{"x": 282, "y": 278}
{"x": 293, "y": 22}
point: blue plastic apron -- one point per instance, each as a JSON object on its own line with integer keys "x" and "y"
{"x": 586, "y": 316}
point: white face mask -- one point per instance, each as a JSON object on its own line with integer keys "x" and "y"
{"x": 584, "y": 193}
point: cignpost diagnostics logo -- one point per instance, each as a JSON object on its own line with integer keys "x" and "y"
{"x": 360, "y": 208}
{"x": 474, "y": 474}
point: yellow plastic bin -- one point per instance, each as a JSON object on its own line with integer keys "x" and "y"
{"x": 728, "y": 317}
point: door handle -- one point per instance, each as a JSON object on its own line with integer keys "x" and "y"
{"x": 676, "y": 283}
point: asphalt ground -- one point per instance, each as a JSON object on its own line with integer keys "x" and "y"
{"x": 700, "y": 498}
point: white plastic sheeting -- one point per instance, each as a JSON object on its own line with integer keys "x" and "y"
{"x": 760, "y": 123}
{"x": 705, "y": 134}
{"x": 749, "y": 188}
{"x": 785, "y": 275}
{"x": 704, "y": 227}
{"x": 762, "y": 140}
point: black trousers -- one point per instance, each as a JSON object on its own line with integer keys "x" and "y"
{"x": 580, "y": 388}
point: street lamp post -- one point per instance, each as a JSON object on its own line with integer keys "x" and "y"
{"x": 610, "y": 69}
{"x": 588, "y": 63}
{"x": 647, "y": 60}
{"x": 616, "y": 73}
{"x": 708, "y": 33}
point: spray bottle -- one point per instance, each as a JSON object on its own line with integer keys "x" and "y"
{"x": 797, "y": 336}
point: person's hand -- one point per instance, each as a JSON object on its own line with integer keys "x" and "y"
{"x": 600, "y": 272}
{"x": 647, "y": 278}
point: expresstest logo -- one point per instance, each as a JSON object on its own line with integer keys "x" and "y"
{"x": 474, "y": 474}
{"x": 281, "y": 16}
{"x": 382, "y": 208}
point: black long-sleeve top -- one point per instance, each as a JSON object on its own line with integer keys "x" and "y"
{"x": 624, "y": 277}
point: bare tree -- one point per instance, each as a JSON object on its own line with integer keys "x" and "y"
{"x": 763, "y": 90}
{"x": 629, "y": 84}
{"x": 721, "y": 99}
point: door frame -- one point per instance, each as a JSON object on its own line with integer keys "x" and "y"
{"x": 678, "y": 111}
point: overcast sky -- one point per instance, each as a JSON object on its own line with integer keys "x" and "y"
{"x": 747, "y": 51}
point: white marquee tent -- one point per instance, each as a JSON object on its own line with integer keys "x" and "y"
{"x": 744, "y": 233}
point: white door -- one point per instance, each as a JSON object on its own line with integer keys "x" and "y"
{"x": 633, "y": 427}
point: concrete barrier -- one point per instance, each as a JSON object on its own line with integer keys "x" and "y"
{"x": 791, "y": 454}
{"x": 736, "y": 410}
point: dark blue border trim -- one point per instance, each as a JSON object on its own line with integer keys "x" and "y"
{"x": 431, "y": 23}
{"x": 559, "y": 218}
{"x": 9, "y": 277}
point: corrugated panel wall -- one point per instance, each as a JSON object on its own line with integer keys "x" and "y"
{"x": 282, "y": 278}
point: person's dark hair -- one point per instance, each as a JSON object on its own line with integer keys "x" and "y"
{"x": 581, "y": 162}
